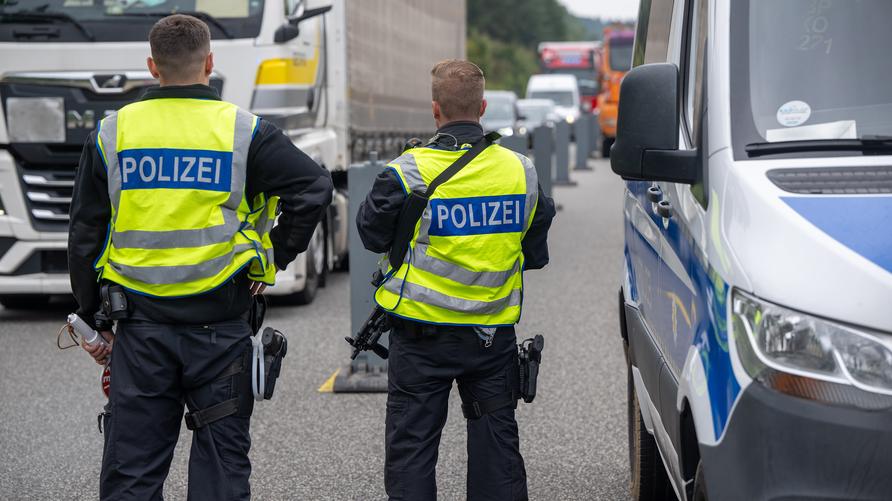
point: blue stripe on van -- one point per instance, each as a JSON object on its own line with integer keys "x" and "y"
{"x": 861, "y": 223}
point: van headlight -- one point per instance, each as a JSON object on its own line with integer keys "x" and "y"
{"x": 811, "y": 357}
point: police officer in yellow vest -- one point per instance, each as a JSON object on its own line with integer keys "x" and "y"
{"x": 174, "y": 201}
{"x": 455, "y": 299}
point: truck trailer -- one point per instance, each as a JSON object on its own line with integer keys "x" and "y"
{"x": 334, "y": 75}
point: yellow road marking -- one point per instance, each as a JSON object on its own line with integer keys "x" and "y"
{"x": 328, "y": 385}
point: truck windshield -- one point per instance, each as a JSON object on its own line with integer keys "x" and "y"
{"x": 807, "y": 71}
{"x": 621, "y": 55}
{"x": 121, "y": 20}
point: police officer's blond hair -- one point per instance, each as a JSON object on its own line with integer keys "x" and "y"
{"x": 457, "y": 85}
{"x": 180, "y": 45}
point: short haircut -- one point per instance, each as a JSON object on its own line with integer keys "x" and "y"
{"x": 457, "y": 85}
{"x": 180, "y": 45}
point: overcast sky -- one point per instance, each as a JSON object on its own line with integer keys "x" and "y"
{"x": 611, "y": 9}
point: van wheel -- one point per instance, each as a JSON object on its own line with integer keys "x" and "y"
{"x": 700, "y": 484}
{"x": 648, "y": 475}
{"x": 606, "y": 143}
{"x": 316, "y": 271}
{"x": 24, "y": 301}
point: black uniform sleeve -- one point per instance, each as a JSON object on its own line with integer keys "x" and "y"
{"x": 535, "y": 242}
{"x": 278, "y": 168}
{"x": 88, "y": 229}
{"x": 378, "y": 214}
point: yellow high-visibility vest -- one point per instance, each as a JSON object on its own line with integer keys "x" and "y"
{"x": 181, "y": 224}
{"x": 465, "y": 263}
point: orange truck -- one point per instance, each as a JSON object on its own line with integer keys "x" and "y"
{"x": 616, "y": 60}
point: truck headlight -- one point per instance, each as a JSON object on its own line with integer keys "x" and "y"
{"x": 36, "y": 119}
{"x": 506, "y": 131}
{"x": 810, "y": 357}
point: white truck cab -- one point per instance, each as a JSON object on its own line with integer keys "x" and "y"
{"x": 755, "y": 137}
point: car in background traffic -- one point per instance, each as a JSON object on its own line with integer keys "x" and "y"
{"x": 534, "y": 113}
{"x": 501, "y": 112}
{"x": 562, "y": 89}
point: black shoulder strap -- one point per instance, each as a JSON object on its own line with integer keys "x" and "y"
{"x": 461, "y": 162}
{"x": 415, "y": 204}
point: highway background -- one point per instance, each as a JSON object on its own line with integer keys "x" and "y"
{"x": 322, "y": 446}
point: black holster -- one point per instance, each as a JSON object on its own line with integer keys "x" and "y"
{"x": 529, "y": 356}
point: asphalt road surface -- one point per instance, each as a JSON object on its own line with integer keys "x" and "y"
{"x": 322, "y": 446}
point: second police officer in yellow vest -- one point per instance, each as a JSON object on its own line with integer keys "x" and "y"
{"x": 174, "y": 202}
{"x": 454, "y": 299}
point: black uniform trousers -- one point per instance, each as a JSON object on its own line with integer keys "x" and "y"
{"x": 421, "y": 371}
{"x": 155, "y": 369}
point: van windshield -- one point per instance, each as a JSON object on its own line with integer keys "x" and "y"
{"x": 560, "y": 98}
{"x": 120, "y": 20}
{"x": 808, "y": 70}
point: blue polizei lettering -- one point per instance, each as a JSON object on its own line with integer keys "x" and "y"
{"x": 477, "y": 215}
{"x": 175, "y": 168}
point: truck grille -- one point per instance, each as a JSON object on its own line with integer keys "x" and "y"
{"x": 48, "y": 196}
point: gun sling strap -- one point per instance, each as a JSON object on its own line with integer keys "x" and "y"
{"x": 416, "y": 202}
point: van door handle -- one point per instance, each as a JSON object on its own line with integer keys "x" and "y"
{"x": 664, "y": 209}
{"x": 654, "y": 194}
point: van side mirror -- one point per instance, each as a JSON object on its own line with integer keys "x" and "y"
{"x": 291, "y": 29}
{"x": 646, "y": 146}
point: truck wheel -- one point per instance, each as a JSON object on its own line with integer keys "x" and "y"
{"x": 316, "y": 271}
{"x": 700, "y": 484}
{"x": 606, "y": 143}
{"x": 648, "y": 475}
{"x": 24, "y": 301}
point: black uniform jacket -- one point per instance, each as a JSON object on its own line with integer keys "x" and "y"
{"x": 275, "y": 167}
{"x": 378, "y": 214}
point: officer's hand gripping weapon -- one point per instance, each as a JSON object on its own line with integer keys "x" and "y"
{"x": 369, "y": 335}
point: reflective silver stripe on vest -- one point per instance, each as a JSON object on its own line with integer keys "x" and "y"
{"x": 423, "y": 261}
{"x": 108, "y": 135}
{"x": 241, "y": 143}
{"x": 176, "y": 239}
{"x": 431, "y": 297}
{"x": 410, "y": 171}
{"x": 162, "y": 275}
{"x": 244, "y": 130}
{"x": 532, "y": 180}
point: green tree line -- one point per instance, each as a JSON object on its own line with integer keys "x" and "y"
{"x": 503, "y": 36}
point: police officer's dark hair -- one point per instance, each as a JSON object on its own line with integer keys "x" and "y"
{"x": 457, "y": 85}
{"x": 180, "y": 45}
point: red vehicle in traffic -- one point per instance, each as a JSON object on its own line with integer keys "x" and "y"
{"x": 575, "y": 58}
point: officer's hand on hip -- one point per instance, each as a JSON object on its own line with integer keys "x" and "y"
{"x": 99, "y": 351}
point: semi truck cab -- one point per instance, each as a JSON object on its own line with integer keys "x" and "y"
{"x": 65, "y": 65}
{"x": 754, "y": 138}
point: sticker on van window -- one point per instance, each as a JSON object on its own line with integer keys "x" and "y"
{"x": 793, "y": 114}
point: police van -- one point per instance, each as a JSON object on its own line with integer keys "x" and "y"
{"x": 755, "y": 138}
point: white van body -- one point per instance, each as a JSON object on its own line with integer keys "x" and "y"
{"x": 560, "y": 88}
{"x": 756, "y": 304}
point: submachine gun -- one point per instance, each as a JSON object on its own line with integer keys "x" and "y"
{"x": 369, "y": 335}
